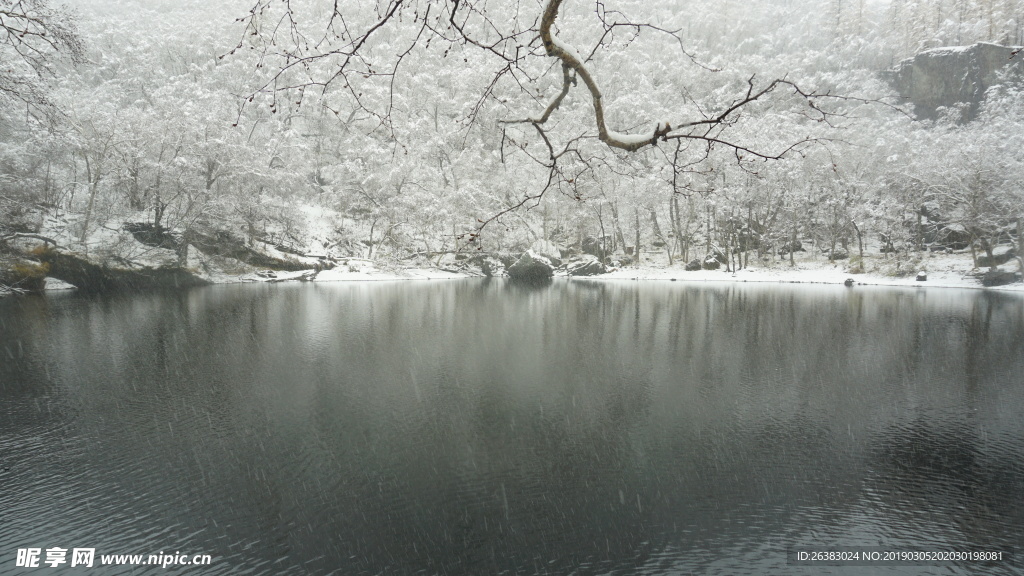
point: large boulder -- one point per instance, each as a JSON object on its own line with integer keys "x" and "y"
{"x": 91, "y": 276}
{"x": 711, "y": 263}
{"x": 531, "y": 266}
{"x": 997, "y": 277}
{"x": 693, "y": 265}
{"x": 586, "y": 265}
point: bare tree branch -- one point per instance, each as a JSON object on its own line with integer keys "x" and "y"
{"x": 342, "y": 56}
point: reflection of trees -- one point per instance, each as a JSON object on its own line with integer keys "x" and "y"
{"x": 982, "y": 353}
{"x": 451, "y": 426}
{"x": 579, "y": 469}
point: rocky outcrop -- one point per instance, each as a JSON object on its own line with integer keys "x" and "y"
{"x": 586, "y": 265}
{"x": 594, "y": 246}
{"x": 489, "y": 265}
{"x": 221, "y": 243}
{"x": 953, "y": 77}
{"x": 22, "y": 274}
{"x": 92, "y": 277}
{"x": 998, "y": 277}
{"x": 711, "y": 263}
{"x": 155, "y": 236}
{"x": 1000, "y": 255}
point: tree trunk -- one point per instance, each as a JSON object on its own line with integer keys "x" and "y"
{"x": 920, "y": 230}
{"x": 860, "y": 244}
{"x": 730, "y": 250}
{"x": 792, "y": 246}
{"x": 677, "y": 227}
{"x": 158, "y": 214}
{"x": 94, "y": 184}
{"x": 987, "y": 247}
{"x": 691, "y": 216}
{"x": 657, "y": 232}
{"x": 186, "y": 239}
{"x": 750, "y": 234}
{"x": 369, "y": 247}
{"x": 707, "y": 217}
{"x": 618, "y": 236}
{"x": 636, "y": 246}
{"x": 1020, "y": 242}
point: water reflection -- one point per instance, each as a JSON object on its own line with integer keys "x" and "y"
{"x": 487, "y": 427}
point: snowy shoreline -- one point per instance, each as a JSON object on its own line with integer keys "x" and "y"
{"x": 948, "y": 279}
{"x": 672, "y": 274}
{"x": 942, "y": 271}
{"x": 827, "y": 276}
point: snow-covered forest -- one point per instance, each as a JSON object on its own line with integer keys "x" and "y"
{"x": 416, "y": 132}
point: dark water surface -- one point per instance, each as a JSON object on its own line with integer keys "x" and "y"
{"x": 475, "y": 428}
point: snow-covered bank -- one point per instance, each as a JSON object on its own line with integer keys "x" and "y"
{"x": 366, "y": 273}
{"x": 798, "y": 276}
{"x": 946, "y": 271}
{"x": 154, "y": 267}
{"x": 795, "y": 275}
{"x": 952, "y": 271}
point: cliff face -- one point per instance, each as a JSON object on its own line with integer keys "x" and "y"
{"x": 954, "y": 77}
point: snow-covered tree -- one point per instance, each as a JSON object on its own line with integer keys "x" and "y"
{"x": 33, "y": 37}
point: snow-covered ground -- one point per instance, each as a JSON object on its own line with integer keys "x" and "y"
{"x": 952, "y": 271}
{"x": 798, "y": 275}
{"x": 945, "y": 270}
{"x": 948, "y": 271}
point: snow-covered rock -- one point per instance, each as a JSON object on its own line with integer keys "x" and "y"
{"x": 585, "y": 265}
{"x": 711, "y": 263}
{"x": 50, "y": 283}
{"x": 531, "y": 266}
{"x": 1000, "y": 255}
{"x": 998, "y": 277}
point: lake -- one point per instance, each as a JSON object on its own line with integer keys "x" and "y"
{"x": 485, "y": 427}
